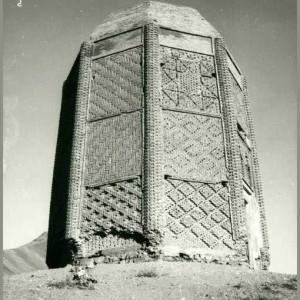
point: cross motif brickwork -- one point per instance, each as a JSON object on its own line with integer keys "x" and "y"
{"x": 188, "y": 81}
{"x": 156, "y": 141}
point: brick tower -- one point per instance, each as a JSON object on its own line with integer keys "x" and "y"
{"x": 156, "y": 146}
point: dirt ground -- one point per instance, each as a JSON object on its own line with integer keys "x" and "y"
{"x": 154, "y": 280}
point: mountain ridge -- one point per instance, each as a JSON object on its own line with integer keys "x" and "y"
{"x": 26, "y": 258}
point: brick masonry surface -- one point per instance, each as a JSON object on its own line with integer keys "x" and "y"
{"x": 156, "y": 146}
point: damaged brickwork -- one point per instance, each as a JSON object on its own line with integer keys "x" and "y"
{"x": 156, "y": 148}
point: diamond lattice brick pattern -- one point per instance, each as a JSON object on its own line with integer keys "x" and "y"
{"x": 186, "y": 189}
{"x": 204, "y": 219}
{"x": 208, "y": 223}
{"x": 198, "y": 230}
{"x": 186, "y": 205}
{"x": 216, "y": 200}
{"x": 176, "y": 228}
{"x": 228, "y": 242}
{"x": 175, "y": 195}
{"x": 197, "y": 214}
{"x": 176, "y": 212}
{"x": 219, "y": 232}
{"x": 197, "y": 198}
{"x": 194, "y": 153}
{"x": 206, "y": 191}
{"x": 225, "y": 210}
{"x": 116, "y": 205}
{"x": 218, "y": 216}
{"x": 227, "y": 226}
{"x": 187, "y": 221}
{"x": 211, "y": 240}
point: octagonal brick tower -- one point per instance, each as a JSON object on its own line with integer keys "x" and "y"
{"x": 156, "y": 145}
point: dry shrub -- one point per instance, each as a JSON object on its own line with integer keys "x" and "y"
{"x": 147, "y": 273}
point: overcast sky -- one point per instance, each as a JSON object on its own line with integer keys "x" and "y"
{"x": 42, "y": 39}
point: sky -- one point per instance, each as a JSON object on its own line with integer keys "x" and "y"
{"x": 41, "y": 42}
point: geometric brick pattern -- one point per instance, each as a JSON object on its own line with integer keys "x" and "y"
{"x": 114, "y": 149}
{"x": 112, "y": 206}
{"x": 77, "y": 140}
{"x": 143, "y": 111}
{"x": 197, "y": 214}
{"x": 194, "y": 146}
{"x": 239, "y": 106}
{"x": 246, "y": 162}
{"x": 257, "y": 177}
{"x": 152, "y": 137}
{"x": 231, "y": 134}
{"x": 116, "y": 84}
{"x": 188, "y": 81}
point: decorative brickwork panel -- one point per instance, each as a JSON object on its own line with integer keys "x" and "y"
{"x": 239, "y": 106}
{"x": 156, "y": 143}
{"x": 189, "y": 81}
{"x": 113, "y": 149}
{"x": 194, "y": 146}
{"x": 197, "y": 215}
{"x": 246, "y": 162}
{"x": 257, "y": 180}
{"x": 230, "y": 128}
{"x": 114, "y": 207}
{"x": 116, "y": 84}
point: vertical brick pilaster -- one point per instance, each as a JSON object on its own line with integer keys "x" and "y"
{"x": 153, "y": 139}
{"x": 78, "y": 143}
{"x": 257, "y": 178}
{"x": 234, "y": 172}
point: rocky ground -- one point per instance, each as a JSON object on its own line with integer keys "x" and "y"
{"x": 151, "y": 280}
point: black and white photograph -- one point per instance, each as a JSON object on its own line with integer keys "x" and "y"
{"x": 149, "y": 149}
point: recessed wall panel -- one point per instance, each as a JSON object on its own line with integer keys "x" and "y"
{"x": 116, "y": 85}
{"x": 194, "y": 147}
{"x": 113, "y": 149}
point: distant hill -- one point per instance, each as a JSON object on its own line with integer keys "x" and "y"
{"x": 30, "y": 257}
